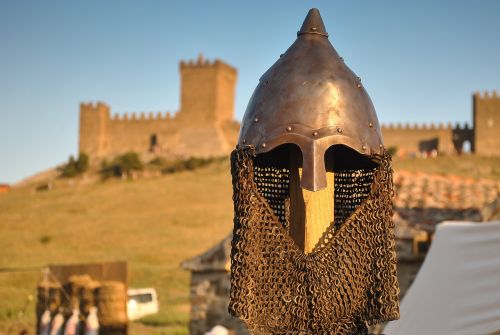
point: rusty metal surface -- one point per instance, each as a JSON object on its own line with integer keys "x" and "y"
{"x": 310, "y": 98}
{"x": 347, "y": 282}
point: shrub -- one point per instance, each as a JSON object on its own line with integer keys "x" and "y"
{"x": 45, "y": 239}
{"x": 82, "y": 164}
{"x": 108, "y": 170}
{"x": 129, "y": 162}
{"x": 392, "y": 150}
{"x": 44, "y": 187}
{"x": 122, "y": 165}
{"x": 191, "y": 163}
{"x": 158, "y": 161}
{"x": 75, "y": 167}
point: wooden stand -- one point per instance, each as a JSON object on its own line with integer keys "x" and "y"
{"x": 311, "y": 213}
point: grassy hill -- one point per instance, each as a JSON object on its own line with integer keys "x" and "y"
{"x": 153, "y": 223}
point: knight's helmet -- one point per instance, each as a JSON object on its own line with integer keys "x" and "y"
{"x": 310, "y": 98}
{"x": 311, "y": 113}
{"x": 311, "y": 128}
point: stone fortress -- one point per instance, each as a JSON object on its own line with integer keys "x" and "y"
{"x": 205, "y": 126}
{"x": 483, "y": 138}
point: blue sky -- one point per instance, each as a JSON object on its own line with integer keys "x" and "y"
{"x": 420, "y": 61}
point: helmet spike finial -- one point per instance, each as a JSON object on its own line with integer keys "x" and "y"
{"x": 313, "y": 24}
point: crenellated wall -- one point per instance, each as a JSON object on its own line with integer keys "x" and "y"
{"x": 204, "y": 126}
{"x": 135, "y": 132}
{"x": 482, "y": 138}
{"x": 414, "y": 138}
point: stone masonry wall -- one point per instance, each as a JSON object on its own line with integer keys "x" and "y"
{"x": 203, "y": 127}
{"x": 207, "y": 91}
{"x": 487, "y": 123}
{"x": 483, "y": 137}
{"x": 408, "y": 138}
{"x": 209, "y": 302}
{"x": 93, "y": 128}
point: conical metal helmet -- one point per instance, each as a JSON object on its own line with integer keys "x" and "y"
{"x": 310, "y": 98}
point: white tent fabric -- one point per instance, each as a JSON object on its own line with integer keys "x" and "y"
{"x": 457, "y": 290}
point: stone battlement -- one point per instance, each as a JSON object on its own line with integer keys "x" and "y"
{"x": 93, "y": 106}
{"x": 201, "y": 62}
{"x": 142, "y": 116}
{"x": 426, "y": 126}
{"x": 487, "y": 95}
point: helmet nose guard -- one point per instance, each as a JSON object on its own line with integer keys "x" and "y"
{"x": 313, "y": 167}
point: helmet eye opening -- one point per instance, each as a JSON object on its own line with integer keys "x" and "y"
{"x": 342, "y": 158}
{"x": 337, "y": 158}
{"x": 279, "y": 157}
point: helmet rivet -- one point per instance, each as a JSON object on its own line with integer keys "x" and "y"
{"x": 244, "y": 141}
{"x": 370, "y": 124}
{"x": 263, "y": 145}
{"x": 363, "y": 147}
{"x": 256, "y": 119}
{"x": 315, "y": 133}
{"x": 359, "y": 85}
{"x": 380, "y": 146}
{"x": 339, "y": 130}
{"x": 314, "y": 28}
{"x": 288, "y": 128}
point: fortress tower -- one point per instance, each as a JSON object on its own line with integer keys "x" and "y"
{"x": 207, "y": 91}
{"x": 94, "y": 121}
{"x": 203, "y": 127}
{"x": 486, "y": 114}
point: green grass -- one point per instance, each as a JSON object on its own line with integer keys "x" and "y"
{"x": 154, "y": 224}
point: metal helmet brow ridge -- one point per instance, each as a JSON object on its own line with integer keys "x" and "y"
{"x": 310, "y": 98}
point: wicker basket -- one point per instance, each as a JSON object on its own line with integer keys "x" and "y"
{"x": 112, "y": 303}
